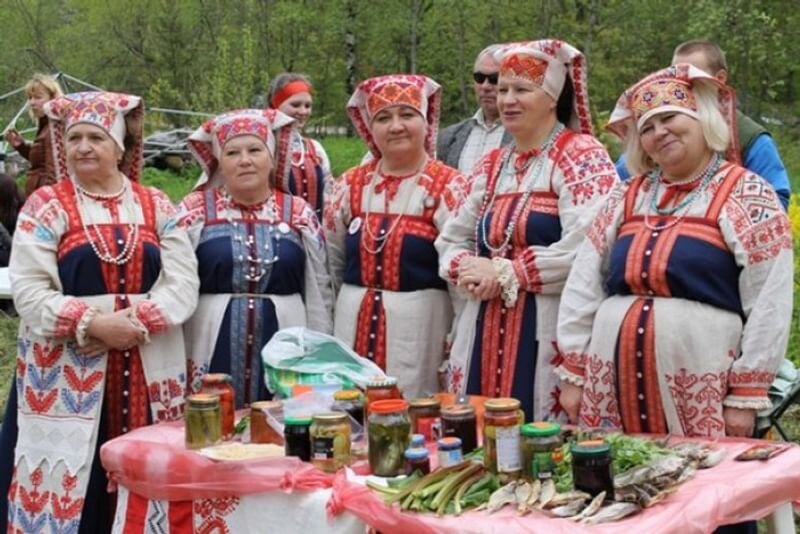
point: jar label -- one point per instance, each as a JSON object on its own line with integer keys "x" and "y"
{"x": 448, "y": 458}
{"x": 322, "y": 448}
{"x": 542, "y": 465}
{"x": 508, "y": 456}
{"x": 430, "y": 427}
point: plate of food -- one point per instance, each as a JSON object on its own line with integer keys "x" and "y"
{"x": 235, "y": 451}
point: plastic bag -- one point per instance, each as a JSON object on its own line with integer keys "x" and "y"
{"x": 300, "y": 356}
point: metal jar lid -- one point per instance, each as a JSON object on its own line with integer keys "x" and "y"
{"x": 503, "y": 404}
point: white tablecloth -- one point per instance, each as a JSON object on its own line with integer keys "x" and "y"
{"x": 5, "y": 284}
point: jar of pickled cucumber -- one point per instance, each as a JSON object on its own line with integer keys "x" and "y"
{"x": 541, "y": 449}
{"x": 389, "y": 433}
{"x": 330, "y": 441}
{"x": 202, "y": 421}
{"x": 221, "y": 384}
{"x": 501, "y": 438}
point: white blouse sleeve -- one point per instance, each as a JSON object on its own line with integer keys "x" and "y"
{"x": 758, "y": 232}
{"x": 318, "y": 290}
{"x": 336, "y": 216}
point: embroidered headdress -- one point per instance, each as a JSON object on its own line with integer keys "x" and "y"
{"x": 271, "y": 126}
{"x": 547, "y": 63}
{"x": 121, "y": 116}
{"x": 672, "y": 90}
{"x": 418, "y": 92}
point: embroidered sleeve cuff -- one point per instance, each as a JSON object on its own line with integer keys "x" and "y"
{"x": 68, "y": 318}
{"x": 83, "y": 326}
{"x": 748, "y": 399}
{"x": 527, "y": 273}
{"x": 452, "y": 271}
{"x": 149, "y": 315}
{"x": 506, "y": 275}
{"x": 570, "y": 375}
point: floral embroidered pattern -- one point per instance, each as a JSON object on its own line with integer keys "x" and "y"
{"x": 28, "y": 509}
{"x": 599, "y": 408}
{"x": 167, "y": 398}
{"x": 83, "y": 392}
{"x": 209, "y": 515}
{"x": 698, "y": 401}
{"x": 41, "y": 392}
{"x": 603, "y": 220}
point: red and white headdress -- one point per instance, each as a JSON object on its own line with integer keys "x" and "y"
{"x": 547, "y": 63}
{"x": 121, "y": 116}
{"x": 270, "y": 125}
{"x": 671, "y": 90}
{"x": 418, "y": 92}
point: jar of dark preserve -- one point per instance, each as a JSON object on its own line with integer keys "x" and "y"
{"x": 592, "y": 470}
{"x": 297, "y": 437}
{"x": 417, "y": 459}
{"x": 350, "y": 401}
{"x": 459, "y": 421}
{"x": 425, "y": 414}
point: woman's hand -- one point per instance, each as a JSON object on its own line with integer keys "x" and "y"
{"x": 93, "y": 348}
{"x": 478, "y": 277}
{"x": 13, "y": 138}
{"x": 570, "y": 400}
{"x": 739, "y": 422}
{"x": 115, "y": 330}
{"x": 487, "y": 289}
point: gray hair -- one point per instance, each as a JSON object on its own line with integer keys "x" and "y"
{"x": 490, "y": 51}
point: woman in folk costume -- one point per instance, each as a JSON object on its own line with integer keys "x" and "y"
{"x": 381, "y": 221}
{"x": 102, "y": 279}
{"x": 676, "y": 314}
{"x": 309, "y": 171}
{"x": 260, "y": 250}
{"x": 512, "y": 243}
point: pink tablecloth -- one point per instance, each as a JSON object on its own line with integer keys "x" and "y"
{"x": 151, "y": 464}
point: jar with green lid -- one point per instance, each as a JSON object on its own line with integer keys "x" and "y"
{"x": 202, "y": 421}
{"x": 541, "y": 449}
{"x": 350, "y": 401}
{"x": 592, "y": 470}
{"x": 389, "y": 433}
{"x": 501, "y": 438}
{"x": 330, "y": 441}
{"x": 297, "y": 437}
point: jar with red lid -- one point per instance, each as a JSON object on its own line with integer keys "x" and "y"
{"x": 221, "y": 384}
{"x": 389, "y": 434}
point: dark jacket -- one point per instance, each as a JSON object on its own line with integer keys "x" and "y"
{"x": 452, "y": 139}
{"x": 40, "y": 153}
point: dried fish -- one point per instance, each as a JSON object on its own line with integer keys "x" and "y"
{"x": 593, "y": 507}
{"x": 713, "y": 458}
{"x": 632, "y": 476}
{"x": 502, "y": 497}
{"x": 547, "y": 493}
{"x": 570, "y": 509}
{"x": 567, "y": 497}
{"x": 521, "y": 495}
{"x": 612, "y": 512}
{"x": 530, "y": 502}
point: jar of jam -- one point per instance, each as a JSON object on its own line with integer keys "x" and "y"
{"x": 383, "y": 389}
{"x": 297, "y": 437}
{"x": 541, "y": 449}
{"x": 260, "y": 429}
{"x": 202, "y": 421}
{"x": 460, "y": 421}
{"x": 501, "y": 439}
{"x": 426, "y": 418}
{"x": 592, "y": 470}
{"x": 388, "y": 434}
{"x": 221, "y": 384}
{"x": 330, "y": 441}
{"x": 350, "y": 401}
{"x": 449, "y": 451}
{"x": 417, "y": 459}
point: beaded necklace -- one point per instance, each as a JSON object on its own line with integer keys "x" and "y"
{"x": 101, "y": 249}
{"x": 256, "y": 267}
{"x": 704, "y": 178}
{"x": 507, "y": 170}
{"x": 383, "y": 238}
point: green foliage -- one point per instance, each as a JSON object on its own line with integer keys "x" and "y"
{"x": 344, "y": 152}
{"x": 175, "y": 185}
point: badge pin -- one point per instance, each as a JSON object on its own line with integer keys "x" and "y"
{"x": 428, "y": 202}
{"x": 355, "y": 226}
{"x": 283, "y": 228}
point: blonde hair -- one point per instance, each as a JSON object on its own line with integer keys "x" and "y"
{"x": 45, "y": 83}
{"x": 716, "y": 132}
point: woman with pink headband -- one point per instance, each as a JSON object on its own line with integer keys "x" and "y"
{"x": 676, "y": 314}
{"x": 381, "y": 221}
{"x": 309, "y": 172}
{"x": 260, "y": 250}
{"x": 512, "y": 243}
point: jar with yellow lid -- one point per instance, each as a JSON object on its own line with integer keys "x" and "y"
{"x": 260, "y": 429}
{"x": 501, "y": 438}
{"x": 350, "y": 401}
{"x": 330, "y": 441}
{"x": 202, "y": 421}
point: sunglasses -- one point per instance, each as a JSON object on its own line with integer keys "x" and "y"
{"x": 481, "y": 77}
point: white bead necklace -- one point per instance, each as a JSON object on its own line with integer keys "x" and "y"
{"x": 382, "y": 239}
{"x": 100, "y": 247}
{"x": 256, "y": 267}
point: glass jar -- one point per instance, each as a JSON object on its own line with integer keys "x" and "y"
{"x": 449, "y": 451}
{"x": 426, "y": 418}
{"x": 330, "y": 441}
{"x": 592, "y": 470}
{"x": 388, "y": 434}
{"x": 350, "y": 401}
{"x": 501, "y": 439}
{"x": 221, "y": 384}
{"x": 541, "y": 449}
{"x": 202, "y": 421}
{"x": 383, "y": 389}
{"x": 297, "y": 436}
{"x": 460, "y": 421}
{"x": 417, "y": 459}
{"x": 260, "y": 429}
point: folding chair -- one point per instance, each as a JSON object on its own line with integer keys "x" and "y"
{"x": 784, "y": 392}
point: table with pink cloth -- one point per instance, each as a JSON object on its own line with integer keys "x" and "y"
{"x": 164, "y": 488}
